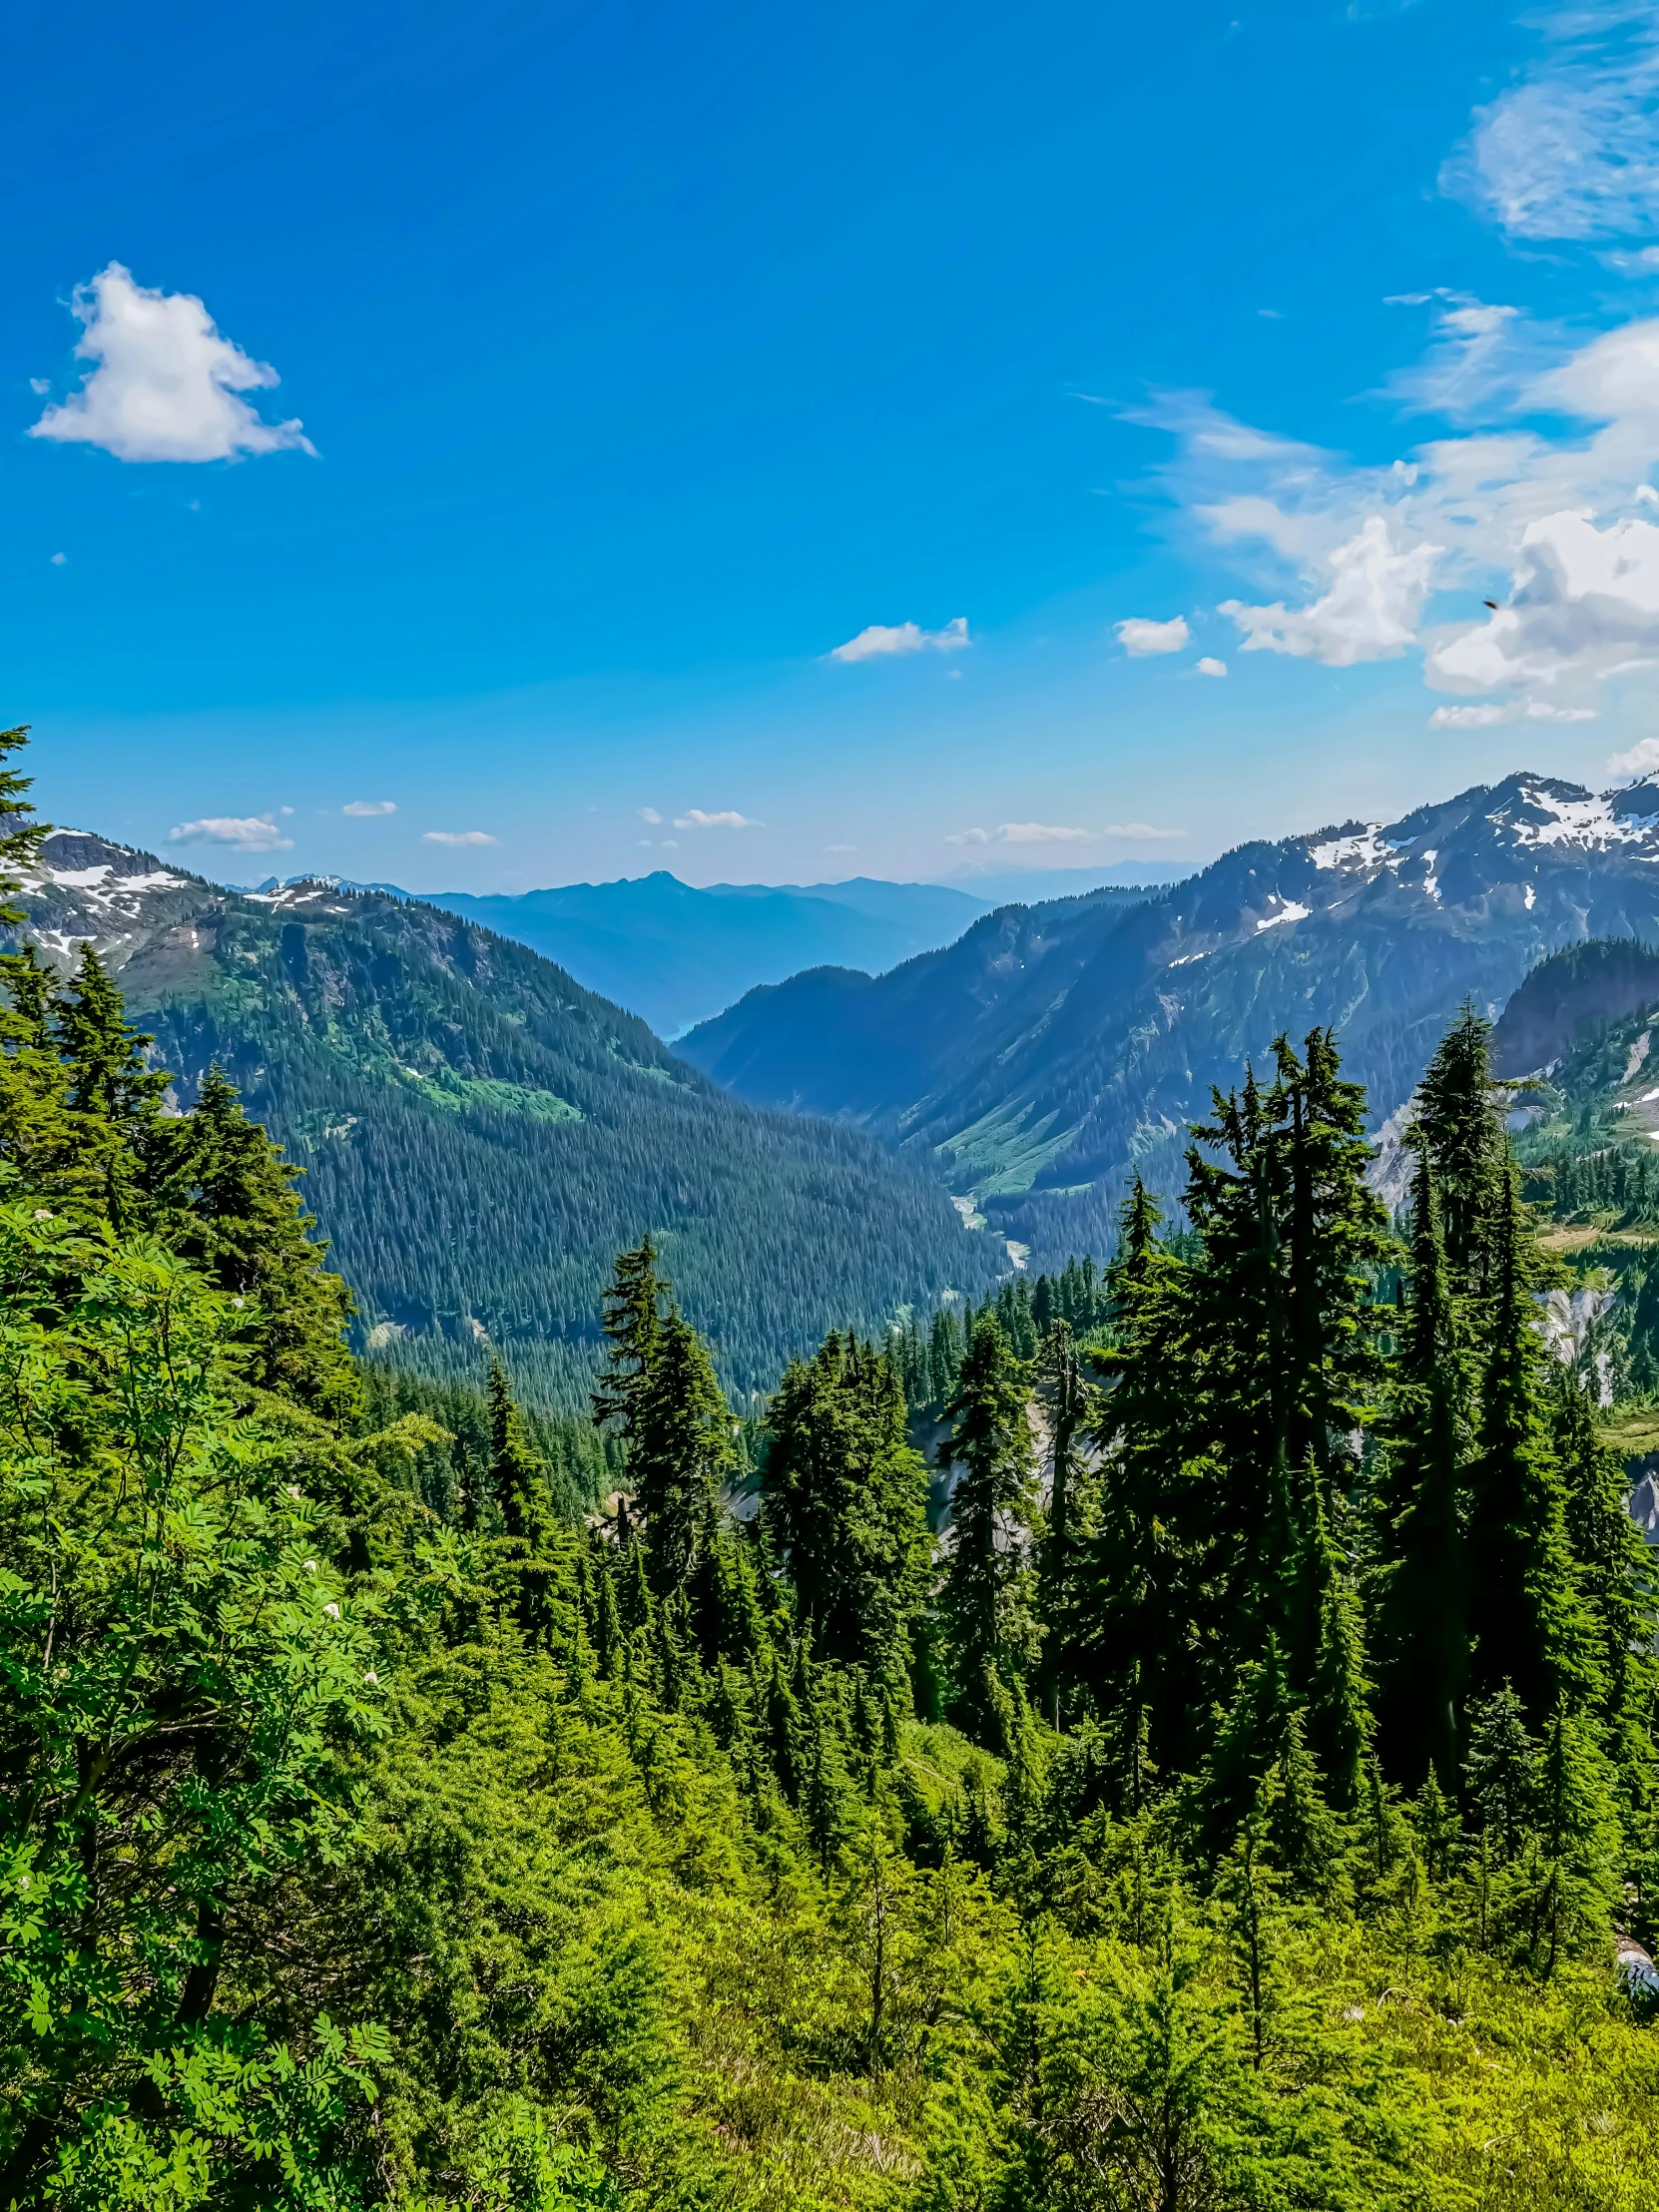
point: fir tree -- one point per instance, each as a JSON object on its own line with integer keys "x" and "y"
{"x": 986, "y": 1599}
{"x": 1615, "y": 1574}
{"x": 1459, "y": 1126}
{"x": 1070, "y": 1402}
{"x": 1529, "y": 1627}
{"x": 222, "y": 1195}
{"x": 679, "y": 1447}
{"x": 632, "y": 1322}
{"x": 1422, "y": 1595}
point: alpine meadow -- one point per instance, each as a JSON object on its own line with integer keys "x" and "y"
{"x": 1166, "y": 1734}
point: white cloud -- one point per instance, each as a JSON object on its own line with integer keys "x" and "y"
{"x": 883, "y": 638}
{"x": 671, "y": 844}
{"x": 1572, "y": 151}
{"x": 1044, "y": 832}
{"x": 1585, "y": 602}
{"x": 458, "y": 836}
{"x": 60, "y": 560}
{"x": 369, "y": 806}
{"x": 1210, "y": 666}
{"x": 1139, "y": 635}
{"x": 1490, "y": 711}
{"x": 1641, "y": 759}
{"x": 1467, "y": 718}
{"x": 695, "y": 818}
{"x": 840, "y": 848}
{"x": 246, "y": 832}
{"x": 648, "y": 813}
{"x": 1368, "y": 612}
{"x": 166, "y": 383}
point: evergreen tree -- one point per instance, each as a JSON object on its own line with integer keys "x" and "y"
{"x": 679, "y": 1447}
{"x": 632, "y": 1322}
{"x": 1615, "y": 1574}
{"x": 845, "y": 1500}
{"x": 1529, "y": 1627}
{"x": 113, "y": 1091}
{"x": 1136, "y": 1624}
{"x": 1423, "y": 1597}
{"x": 1461, "y": 1127}
{"x": 222, "y": 1194}
{"x": 989, "y": 1628}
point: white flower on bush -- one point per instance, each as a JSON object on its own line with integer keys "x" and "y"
{"x": 332, "y": 1612}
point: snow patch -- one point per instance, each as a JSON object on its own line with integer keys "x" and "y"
{"x": 1367, "y": 848}
{"x": 1291, "y": 912}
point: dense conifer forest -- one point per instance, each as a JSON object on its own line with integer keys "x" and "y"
{"x": 1216, "y": 1772}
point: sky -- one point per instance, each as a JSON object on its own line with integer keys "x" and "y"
{"x": 491, "y": 448}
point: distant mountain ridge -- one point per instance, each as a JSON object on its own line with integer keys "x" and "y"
{"x": 1056, "y": 1047}
{"x": 480, "y": 1134}
{"x": 676, "y": 954}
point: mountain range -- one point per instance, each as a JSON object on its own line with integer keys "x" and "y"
{"x": 1055, "y": 1048}
{"x": 676, "y": 954}
{"x": 480, "y": 1134}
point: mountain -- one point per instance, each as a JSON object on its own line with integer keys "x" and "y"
{"x": 1031, "y": 887}
{"x": 480, "y": 1134}
{"x": 1571, "y": 997}
{"x": 1055, "y": 1047}
{"x": 674, "y": 954}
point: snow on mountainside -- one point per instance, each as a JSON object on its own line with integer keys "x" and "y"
{"x": 1056, "y": 1046}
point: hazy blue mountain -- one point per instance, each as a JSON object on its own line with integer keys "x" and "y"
{"x": 480, "y": 1134}
{"x": 1054, "y": 1048}
{"x": 674, "y": 954}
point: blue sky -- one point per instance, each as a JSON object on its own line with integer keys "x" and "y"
{"x": 634, "y": 361}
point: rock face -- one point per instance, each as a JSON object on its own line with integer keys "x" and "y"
{"x": 1055, "y": 1047}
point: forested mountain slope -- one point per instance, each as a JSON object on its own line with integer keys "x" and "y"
{"x": 480, "y": 1134}
{"x": 1055, "y": 1046}
{"x": 677, "y": 954}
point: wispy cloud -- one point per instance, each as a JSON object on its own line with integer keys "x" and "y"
{"x": 366, "y": 806}
{"x": 1572, "y": 151}
{"x": 648, "y": 813}
{"x": 458, "y": 836}
{"x": 1139, "y": 635}
{"x": 1044, "y": 832}
{"x": 695, "y": 818}
{"x": 165, "y": 386}
{"x": 244, "y": 832}
{"x": 881, "y": 640}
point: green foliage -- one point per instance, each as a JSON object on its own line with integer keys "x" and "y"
{"x": 409, "y": 1799}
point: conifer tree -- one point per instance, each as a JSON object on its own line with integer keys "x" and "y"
{"x": 1134, "y": 1621}
{"x": 1422, "y": 1597}
{"x": 222, "y": 1195}
{"x": 632, "y": 1322}
{"x": 990, "y": 1629}
{"x": 1530, "y": 1630}
{"x": 679, "y": 1447}
{"x": 1459, "y": 1126}
{"x": 1070, "y": 1402}
{"x": 113, "y": 1091}
{"x": 1615, "y": 1575}
{"x": 845, "y": 1501}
